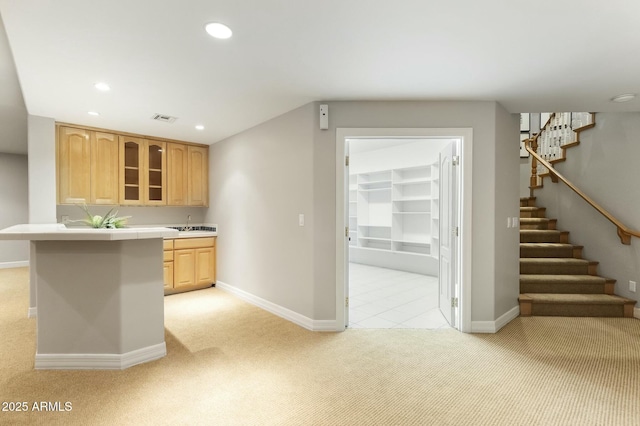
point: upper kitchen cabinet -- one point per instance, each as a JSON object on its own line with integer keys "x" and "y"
{"x": 143, "y": 173}
{"x": 178, "y": 165}
{"x": 156, "y": 173}
{"x": 104, "y": 168}
{"x": 188, "y": 167}
{"x": 96, "y": 166}
{"x": 87, "y": 166}
{"x": 131, "y": 170}
{"x": 198, "y": 175}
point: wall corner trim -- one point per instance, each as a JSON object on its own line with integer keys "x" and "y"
{"x": 33, "y": 312}
{"x": 636, "y": 313}
{"x": 495, "y": 326}
{"x": 282, "y": 312}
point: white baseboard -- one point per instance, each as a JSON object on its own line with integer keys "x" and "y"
{"x": 636, "y": 313}
{"x": 33, "y": 312}
{"x": 100, "y": 361}
{"x": 282, "y": 312}
{"x": 494, "y": 326}
{"x": 19, "y": 264}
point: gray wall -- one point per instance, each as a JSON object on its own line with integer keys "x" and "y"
{"x": 605, "y": 167}
{"x": 507, "y": 253}
{"x": 262, "y": 178}
{"x": 42, "y": 169}
{"x": 14, "y": 190}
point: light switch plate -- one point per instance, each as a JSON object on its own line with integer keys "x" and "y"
{"x": 632, "y": 286}
{"x": 301, "y": 219}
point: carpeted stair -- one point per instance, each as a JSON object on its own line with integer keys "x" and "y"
{"x": 554, "y": 279}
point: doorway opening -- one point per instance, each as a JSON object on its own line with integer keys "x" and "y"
{"x": 400, "y": 196}
{"x": 394, "y": 205}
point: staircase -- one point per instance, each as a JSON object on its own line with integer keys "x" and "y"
{"x": 554, "y": 279}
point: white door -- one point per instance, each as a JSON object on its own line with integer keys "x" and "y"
{"x": 348, "y": 234}
{"x": 448, "y": 230}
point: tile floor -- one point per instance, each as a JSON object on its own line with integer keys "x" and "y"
{"x": 386, "y": 298}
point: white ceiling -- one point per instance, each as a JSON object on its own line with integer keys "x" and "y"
{"x": 543, "y": 55}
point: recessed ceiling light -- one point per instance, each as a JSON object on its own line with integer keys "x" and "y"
{"x": 218, "y": 30}
{"x": 102, "y": 86}
{"x": 200, "y": 127}
{"x": 93, "y": 113}
{"x": 624, "y": 98}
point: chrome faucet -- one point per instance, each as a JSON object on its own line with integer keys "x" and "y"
{"x": 187, "y": 228}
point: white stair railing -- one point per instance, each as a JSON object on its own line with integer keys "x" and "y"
{"x": 559, "y": 132}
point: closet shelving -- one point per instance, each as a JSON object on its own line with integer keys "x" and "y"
{"x": 393, "y": 211}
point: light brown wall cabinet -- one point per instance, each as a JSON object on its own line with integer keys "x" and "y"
{"x": 193, "y": 264}
{"x": 198, "y": 175}
{"x": 143, "y": 174}
{"x": 96, "y": 167}
{"x": 189, "y": 175}
{"x": 87, "y": 164}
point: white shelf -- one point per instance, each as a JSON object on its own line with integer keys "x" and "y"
{"x": 412, "y": 199}
{"x": 375, "y": 189}
{"x": 411, "y": 212}
{"x": 412, "y": 182}
{"x": 394, "y": 209}
{"x": 420, "y": 243}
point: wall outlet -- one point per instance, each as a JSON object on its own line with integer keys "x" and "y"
{"x": 632, "y": 286}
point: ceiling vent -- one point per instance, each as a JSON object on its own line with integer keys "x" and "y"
{"x": 164, "y": 118}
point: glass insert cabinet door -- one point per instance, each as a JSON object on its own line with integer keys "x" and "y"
{"x": 156, "y": 172}
{"x": 143, "y": 171}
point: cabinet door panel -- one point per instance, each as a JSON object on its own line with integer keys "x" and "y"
{"x": 104, "y": 168}
{"x": 205, "y": 270}
{"x": 184, "y": 268}
{"x": 132, "y": 178}
{"x": 168, "y": 275}
{"x": 178, "y": 172}
{"x": 156, "y": 173}
{"x": 198, "y": 176}
{"x": 74, "y": 166}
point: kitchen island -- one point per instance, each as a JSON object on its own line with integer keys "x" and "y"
{"x": 99, "y": 294}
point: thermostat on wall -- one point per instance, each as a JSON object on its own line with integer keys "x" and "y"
{"x": 324, "y": 117}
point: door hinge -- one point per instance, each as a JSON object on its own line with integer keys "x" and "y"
{"x": 454, "y": 302}
{"x": 346, "y": 161}
{"x": 456, "y": 231}
{"x": 456, "y": 160}
{"x": 346, "y": 231}
{"x": 346, "y": 301}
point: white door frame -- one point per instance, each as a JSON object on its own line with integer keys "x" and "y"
{"x": 465, "y": 197}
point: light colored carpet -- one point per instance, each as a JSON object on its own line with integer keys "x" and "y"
{"x": 230, "y": 363}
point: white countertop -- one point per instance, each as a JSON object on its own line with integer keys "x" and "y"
{"x": 59, "y": 232}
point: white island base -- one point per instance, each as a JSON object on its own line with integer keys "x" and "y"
{"x": 99, "y": 295}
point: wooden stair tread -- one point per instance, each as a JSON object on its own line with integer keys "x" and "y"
{"x": 549, "y": 245}
{"x": 531, "y": 208}
{"x": 587, "y": 279}
{"x": 557, "y": 260}
{"x": 575, "y": 299}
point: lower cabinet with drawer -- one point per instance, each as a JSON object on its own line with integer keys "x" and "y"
{"x": 192, "y": 264}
